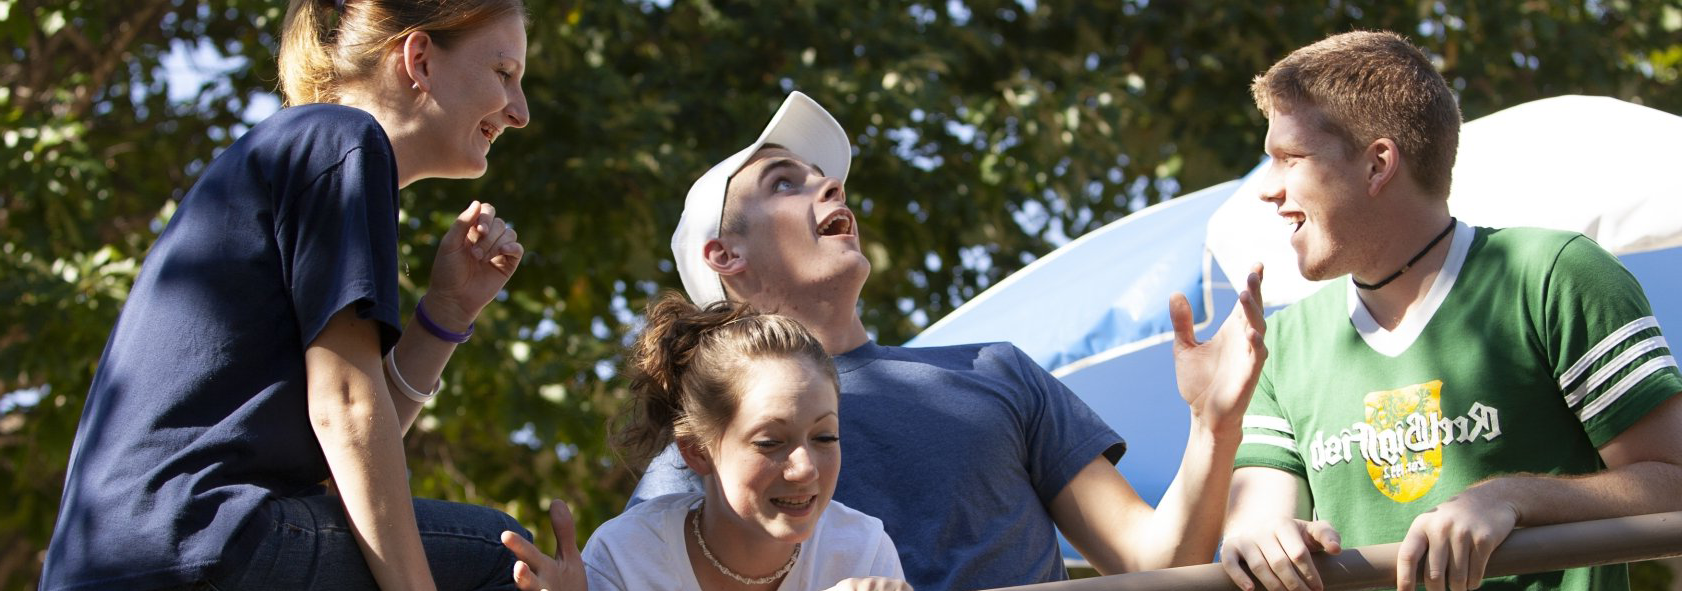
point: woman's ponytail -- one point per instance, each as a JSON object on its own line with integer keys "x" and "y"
{"x": 655, "y": 402}
{"x": 306, "y": 60}
{"x": 676, "y": 375}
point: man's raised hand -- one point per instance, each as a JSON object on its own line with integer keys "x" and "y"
{"x": 1217, "y": 377}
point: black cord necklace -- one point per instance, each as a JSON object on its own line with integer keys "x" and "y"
{"x": 1404, "y": 269}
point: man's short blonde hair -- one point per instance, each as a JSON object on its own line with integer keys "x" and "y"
{"x": 1368, "y": 85}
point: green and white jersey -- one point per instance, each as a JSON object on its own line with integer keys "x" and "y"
{"x": 1532, "y": 349}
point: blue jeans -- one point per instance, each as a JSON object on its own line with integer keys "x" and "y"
{"x": 306, "y": 543}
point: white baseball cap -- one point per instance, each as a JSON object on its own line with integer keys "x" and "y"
{"x": 802, "y": 127}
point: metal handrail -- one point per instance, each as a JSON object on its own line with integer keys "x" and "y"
{"x": 1528, "y": 550}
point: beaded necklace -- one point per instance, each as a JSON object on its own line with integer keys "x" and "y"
{"x": 730, "y": 573}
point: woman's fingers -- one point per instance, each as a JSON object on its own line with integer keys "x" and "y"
{"x": 560, "y": 520}
{"x": 486, "y": 247}
{"x": 525, "y": 578}
{"x": 522, "y": 548}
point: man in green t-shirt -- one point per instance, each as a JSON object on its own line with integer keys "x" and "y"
{"x": 1462, "y": 381}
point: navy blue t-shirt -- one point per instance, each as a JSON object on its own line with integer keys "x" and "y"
{"x": 198, "y": 411}
{"x": 959, "y": 451}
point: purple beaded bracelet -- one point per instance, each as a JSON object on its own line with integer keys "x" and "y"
{"x": 442, "y": 333}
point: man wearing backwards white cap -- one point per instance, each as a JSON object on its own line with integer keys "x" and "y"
{"x": 969, "y": 454}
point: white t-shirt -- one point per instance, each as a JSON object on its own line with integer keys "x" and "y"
{"x": 643, "y": 549}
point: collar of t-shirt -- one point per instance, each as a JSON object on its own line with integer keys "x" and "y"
{"x": 859, "y": 357}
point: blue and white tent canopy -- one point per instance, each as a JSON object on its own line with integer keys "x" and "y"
{"x": 1103, "y": 295}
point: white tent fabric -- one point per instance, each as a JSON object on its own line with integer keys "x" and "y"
{"x": 1595, "y": 165}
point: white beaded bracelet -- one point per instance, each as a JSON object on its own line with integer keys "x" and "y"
{"x": 410, "y": 391}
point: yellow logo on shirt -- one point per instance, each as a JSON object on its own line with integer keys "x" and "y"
{"x": 1410, "y": 455}
{"x": 1402, "y": 439}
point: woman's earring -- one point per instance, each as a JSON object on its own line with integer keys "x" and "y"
{"x": 415, "y": 86}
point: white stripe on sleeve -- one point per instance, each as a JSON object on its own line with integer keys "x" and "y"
{"x": 1267, "y": 422}
{"x": 1269, "y": 440}
{"x": 1614, "y": 366}
{"x": 1624, "y": 385}
{"x": 1618, "y": 336}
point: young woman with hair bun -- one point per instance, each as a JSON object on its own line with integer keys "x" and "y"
{"x": 260, "y": 352}
{"x": 751, "y": 400}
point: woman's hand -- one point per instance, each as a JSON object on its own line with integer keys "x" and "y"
{"x": 535, "y": 571}
{"x": 871, "y": 584}
{"x": 475, "y": 259}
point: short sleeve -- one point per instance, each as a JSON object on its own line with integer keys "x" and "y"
{"x": 601, "y": 571}
{"x": 601, "y": 578}
{"x": 1268, "y": 439}
{"x": 886, "y": 561}
{"x": 338, "y": 240}
{"x": 1063, "y": 434}
{"x": 1608, "y": 353}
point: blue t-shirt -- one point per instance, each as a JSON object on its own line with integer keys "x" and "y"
{"x": 198, "y": 411}
{"x": 959, "y": 451}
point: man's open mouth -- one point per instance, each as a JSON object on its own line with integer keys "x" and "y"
{"x": 1295, "y": 222}
{"x": 837, "y": 223}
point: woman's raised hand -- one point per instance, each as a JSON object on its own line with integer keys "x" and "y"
{"x": 535, "y": 571}
{"x": 475, "y": 259}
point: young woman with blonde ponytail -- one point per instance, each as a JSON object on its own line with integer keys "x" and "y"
{"x": 751, "y": 400}
{"x": 260, "y": 352}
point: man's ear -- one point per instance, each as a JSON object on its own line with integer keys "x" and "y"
{"x": 418, "y": 50}
{"x": 696, "y": 456}
{"x": 722, "y": 259}
{"x": 1384, "y": 162}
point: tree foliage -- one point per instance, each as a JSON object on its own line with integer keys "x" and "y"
{"x": 987, "y": 132}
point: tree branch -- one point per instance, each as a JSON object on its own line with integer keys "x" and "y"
{"x": 147, "y": 18}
